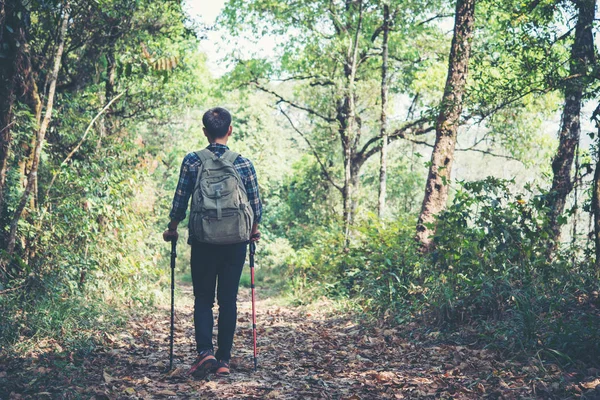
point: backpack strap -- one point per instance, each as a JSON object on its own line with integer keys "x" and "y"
{"x": 230, "y": 156}
{"x": 205, "y": 155}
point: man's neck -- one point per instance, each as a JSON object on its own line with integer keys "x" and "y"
{"x": 219, "y": 141}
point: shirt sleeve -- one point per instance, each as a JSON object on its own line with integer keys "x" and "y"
{"x": 183, "y": 192}
{"x": 251, "y": 184}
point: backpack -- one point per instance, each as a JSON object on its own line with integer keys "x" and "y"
{"x": 220, "y": 211}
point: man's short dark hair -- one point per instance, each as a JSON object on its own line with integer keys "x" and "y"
{"x": 216, "y": 121}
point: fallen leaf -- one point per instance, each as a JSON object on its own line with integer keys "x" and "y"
{"x": 130, "y": 390}
{"x": 107, "y": 377}
{"x": 480, "y": 388}
{"x": 110, "y": 338}
{"x": 175, "y": 372}
{"x": 591, "y": 385}
{"x": 385, "y": 376}
{"x": 166, "y": 392}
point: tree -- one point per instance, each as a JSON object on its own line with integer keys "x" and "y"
{"x": 384, "y": 105}
{"x": 596, "y": 195}
{"x": 581, "y": 59}
{"x": 436, "y": 187}
{"x": 41, "y": 132}
{"x": 71, "y": 89}
{"x": 15, "y": 69}
{"x": 330, "y": 65}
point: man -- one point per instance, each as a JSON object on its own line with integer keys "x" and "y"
{"x": 212, "y": 263}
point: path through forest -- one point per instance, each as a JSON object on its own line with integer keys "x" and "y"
{"x": 305, "y": 353}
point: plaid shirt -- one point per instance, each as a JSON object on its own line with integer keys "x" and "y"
{"x": 189, "y": 172}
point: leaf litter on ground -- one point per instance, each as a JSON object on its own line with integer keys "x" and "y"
{"x": 309, "y": 354}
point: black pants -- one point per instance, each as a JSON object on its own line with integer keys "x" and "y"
{"x": 213, "y": 263}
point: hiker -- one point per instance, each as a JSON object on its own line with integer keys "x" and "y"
{"x": 219, "y": 235}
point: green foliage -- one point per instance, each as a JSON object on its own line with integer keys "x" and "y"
{"x": 43, "y": 314}
{"x": 491, "y": 268}
{"x": 489, "y": 244}
{"x": 88, "y": 243}
{"x": 382, "y": 268}
{"x": 312, "y": 271}
{"x": 302, "y": 205}
{"x": 404, "y": 184}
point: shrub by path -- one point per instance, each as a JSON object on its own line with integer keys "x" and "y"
{"x": 304, "y": 353}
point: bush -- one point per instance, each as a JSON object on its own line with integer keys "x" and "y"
{"x": 491, "y": 268}
{"x": 490, "y": 247}
{"x": 379, "y": 270}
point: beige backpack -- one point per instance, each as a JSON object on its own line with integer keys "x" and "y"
{"x": 220, "y": 212}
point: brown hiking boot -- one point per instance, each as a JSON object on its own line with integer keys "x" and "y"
{"x": 205, "y": 364}
{"x": 222, "y": 368}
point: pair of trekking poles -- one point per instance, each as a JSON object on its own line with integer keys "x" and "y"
{"x": 173, "y": 257}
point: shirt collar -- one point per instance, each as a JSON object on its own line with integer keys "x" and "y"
{"x": 215, "y": 146}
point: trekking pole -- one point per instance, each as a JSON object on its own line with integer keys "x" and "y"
{"x": 252, "y": 251}
{"x": 173, "y": 256}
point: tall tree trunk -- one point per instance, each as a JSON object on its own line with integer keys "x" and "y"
{"x": 436, "y": 188}
{"x": 582, "y": 54}
{"x": 111, "y": 75}
{"x": 596, "y": 211}
{"x": 41, "y": 133}
{"x": 596, "y": 198}
{"x": 13, "y": 42}
{"x": 383, "y": 119}
{"x": 349, "y": 131}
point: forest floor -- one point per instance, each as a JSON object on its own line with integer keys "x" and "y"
{"x": 307, "y": 352}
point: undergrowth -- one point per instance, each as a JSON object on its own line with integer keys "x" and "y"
{"x": 490, "y": 275}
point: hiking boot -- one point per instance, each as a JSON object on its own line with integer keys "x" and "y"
{"x": 222, "y": 368}
{"x": 205, "y": 364}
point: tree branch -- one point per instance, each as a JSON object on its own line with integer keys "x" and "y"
{"x": 66, "y": 160}
{"x": 377, "y": 149}
{"x": 337, "y": 24}
{"x": 353, "y": 74}
{"x": 489, "y": 153}
{"x": 314, "y": 151}
{"x": 8, "y": 126}
{"x": 506, "y": 103}
{"x": 302, "y": 78}
{"x": 11, "y": 289}
{"x": 434, "y": 18}
{"x": 299, "y": 107}
{"x": 399, "y": 133}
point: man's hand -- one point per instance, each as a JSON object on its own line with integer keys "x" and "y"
{"x": 170, "y": 235}
{"x": 255, "y": 234}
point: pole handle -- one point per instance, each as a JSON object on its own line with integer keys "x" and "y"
{"x": 174, "y": 248}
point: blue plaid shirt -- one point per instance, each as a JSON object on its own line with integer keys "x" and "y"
{"x": 189, "y": 172}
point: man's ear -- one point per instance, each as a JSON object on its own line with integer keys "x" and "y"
{"x": 229, "y": 130}
{"x": 205, "y": 134}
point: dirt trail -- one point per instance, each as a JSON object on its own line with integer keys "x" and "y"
{"x": 304, "y": 353}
